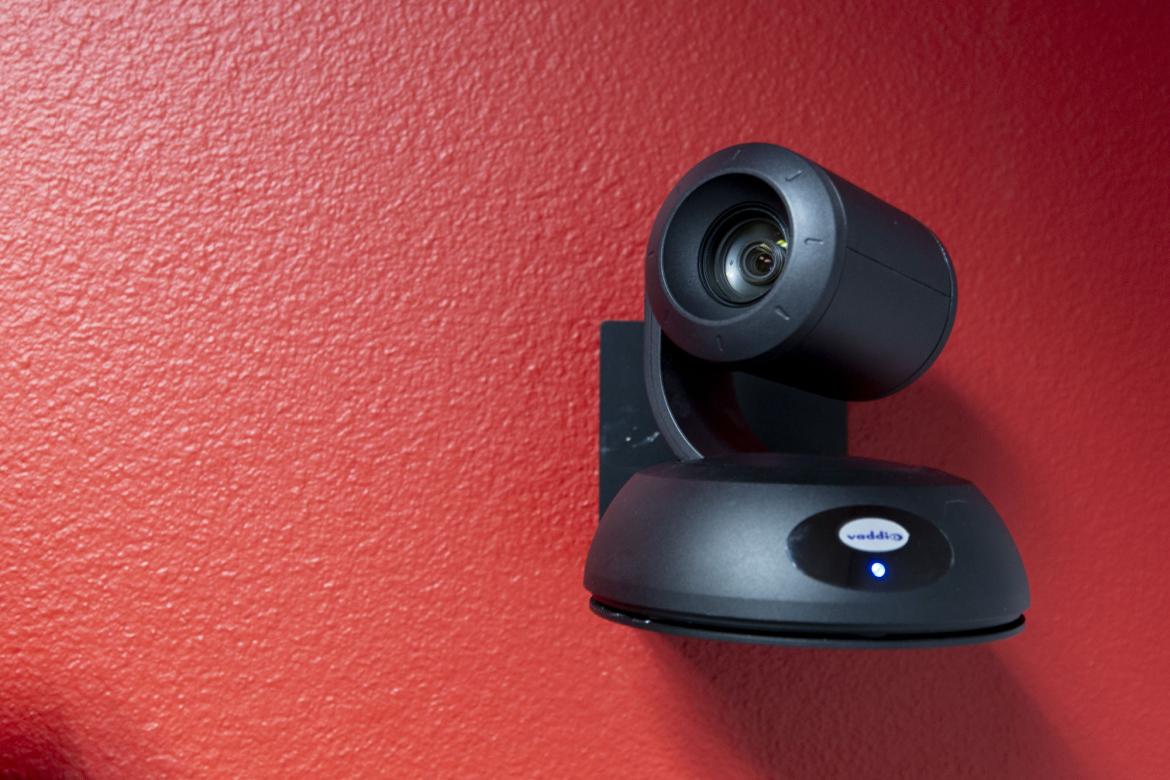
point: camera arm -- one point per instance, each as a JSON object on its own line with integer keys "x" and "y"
{"x": 693, "y": 401}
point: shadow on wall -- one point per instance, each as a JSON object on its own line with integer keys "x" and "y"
{"x": 953, "y": 712}
{"x": 35, "y": 746}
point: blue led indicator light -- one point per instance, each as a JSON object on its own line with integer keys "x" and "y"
{"x": 877, "y": 569}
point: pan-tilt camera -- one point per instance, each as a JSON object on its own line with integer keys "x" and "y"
{"x": 765, "y": 268}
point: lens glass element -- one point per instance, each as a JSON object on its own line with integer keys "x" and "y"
{"x": 743, "y": 254}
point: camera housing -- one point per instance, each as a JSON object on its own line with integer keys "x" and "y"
{"x": 762, "y": 263}
{"x": 864, "y": 297}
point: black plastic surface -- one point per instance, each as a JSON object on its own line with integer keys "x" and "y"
{"x": 816, "y": 548}
{"x": 708, "y": 543}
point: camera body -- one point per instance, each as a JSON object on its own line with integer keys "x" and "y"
{"x": 860, "y": 298}
{"x": 763, "y": 263}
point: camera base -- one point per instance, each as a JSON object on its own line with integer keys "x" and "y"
{"x": 807, "y": 550}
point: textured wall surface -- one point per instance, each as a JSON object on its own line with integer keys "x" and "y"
{"x": 299, "y": 311}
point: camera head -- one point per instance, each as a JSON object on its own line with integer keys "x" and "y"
{"x": 762, "y": 260}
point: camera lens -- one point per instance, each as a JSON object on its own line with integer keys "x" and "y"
{"x": 743, "y": 254}
{"x": 759, "y": 264}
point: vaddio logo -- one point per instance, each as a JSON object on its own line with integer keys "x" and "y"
{"x": 873, "y": 534}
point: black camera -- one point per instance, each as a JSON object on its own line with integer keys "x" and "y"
{"x": 761, "y": 263}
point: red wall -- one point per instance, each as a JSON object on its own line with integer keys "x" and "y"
{"x": 299, "y": 317}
